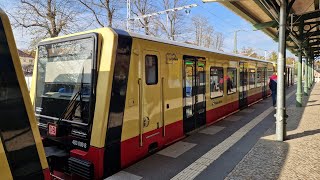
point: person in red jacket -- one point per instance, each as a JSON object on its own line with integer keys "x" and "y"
{"x": 273, "y": 87}
{"x": 221, "y": 81}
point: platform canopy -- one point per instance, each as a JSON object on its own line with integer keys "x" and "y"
{"x": 264, "y": 15}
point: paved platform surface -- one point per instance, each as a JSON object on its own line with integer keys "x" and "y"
{"x": 296, "y": 158}
{"x": 243, "y": 146}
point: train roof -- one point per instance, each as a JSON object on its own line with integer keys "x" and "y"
{"x": 181, "y": 44}
{"x": 155, "y": 39}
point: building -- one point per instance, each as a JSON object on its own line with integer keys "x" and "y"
{"x": 26, "y": 62}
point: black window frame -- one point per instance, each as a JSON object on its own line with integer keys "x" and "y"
{"x": 236, "y": 74}
{"x": 157, "y": 69}
{"x": 255, "y": 71}
{"x": 94, "y": 71}
{"x": 221, "y": 68}
{"x": 260, "y": 73}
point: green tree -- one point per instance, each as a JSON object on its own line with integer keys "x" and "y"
{"x": 273, "y": 57}
{"x": 290, "y": 60}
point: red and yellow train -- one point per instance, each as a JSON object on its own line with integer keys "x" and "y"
{"x": 106, "y": 98}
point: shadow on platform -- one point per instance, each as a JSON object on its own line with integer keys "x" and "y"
{"x": 267, "y": 159}
{"x": 303, "y": 134}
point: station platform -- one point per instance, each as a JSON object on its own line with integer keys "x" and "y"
{"x": 243, "y": 146}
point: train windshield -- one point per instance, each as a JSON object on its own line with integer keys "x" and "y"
{"x": 64, "y": 80}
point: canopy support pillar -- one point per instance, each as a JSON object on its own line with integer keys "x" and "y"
{"x": 306, "y": 83}
{"x": 309, "y": 73}
{"x": 299, "y": 78}
{"x": 280, "y": 116}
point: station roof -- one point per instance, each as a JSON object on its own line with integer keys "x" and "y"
{"x": 264, "y": 15}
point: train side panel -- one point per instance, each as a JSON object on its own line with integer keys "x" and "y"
{"x": 220, "y": 104}
{"x": 153, "y": 115}
{"x": 254, "y": 92}
{"x": 143, "y": 131}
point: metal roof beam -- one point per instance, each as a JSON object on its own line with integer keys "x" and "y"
{"x": 289, "y": 7}
{"x": 205, "y": 1}
{"x": 311, "y": 34}
{"x": 264, "y": 25}
{"x": 307, "y": 23}
{"x": 316, "y": 4}
{"x": 308, "y": 15}
{"x": 314, "y": 43}
{"x": 314, "y": 39}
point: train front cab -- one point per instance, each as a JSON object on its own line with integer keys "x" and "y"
{"x": 21, "y": 151}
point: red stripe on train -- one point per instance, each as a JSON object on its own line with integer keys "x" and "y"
{"x": 46, "y": 174}
{"x": 131, "y": 151}
{"x": 254, "y": 98}
{"x": 214, "y": 114}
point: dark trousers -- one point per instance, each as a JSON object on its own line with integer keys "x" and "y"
{"x": 274, "y": 97}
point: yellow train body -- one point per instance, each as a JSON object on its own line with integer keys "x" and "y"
{"x": 145, "y": 92}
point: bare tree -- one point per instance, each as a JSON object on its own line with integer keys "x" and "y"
{"x": 172, "y": 24}
{"x": 144, "y": 7}
{"x": 203, "y": 31}
{"x": 46, "y": 18}
{"x": 104, "y": 11}
{"x": 208, "y": 36}
{"x": 218, "y": 40}
{"x": 205, "y": 35}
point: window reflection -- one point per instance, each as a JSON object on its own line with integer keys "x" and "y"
{"x": 151, "y": 69}
{"x": 231, "y": 80}
{"x": 260, "y": 77}
{"x": 216, "y": 82}
{"x": 252, "y": 75}
{"x": 64, "y": 76}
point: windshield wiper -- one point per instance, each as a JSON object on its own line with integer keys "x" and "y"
{"x": 72, "y": 106}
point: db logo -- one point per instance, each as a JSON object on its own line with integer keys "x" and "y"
{"x": 52, "y": 130}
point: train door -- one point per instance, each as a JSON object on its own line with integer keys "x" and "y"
{"x": 264, "y": 82}
{"x": 243, "y": 91}
{"x": 151, "y": 89}
{"x": 194, "y": 109}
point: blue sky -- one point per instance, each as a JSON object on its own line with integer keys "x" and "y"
{"x": 225, "y": 21}
{"x": 222, "y": 19}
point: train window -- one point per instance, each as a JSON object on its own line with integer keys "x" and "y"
{"x": 231, "y": 79}
{"x": 216, "y": 82}
{"x": 259, "y": 77}
{"x": 252, "y": 78}
{"x": 151, "y": 69}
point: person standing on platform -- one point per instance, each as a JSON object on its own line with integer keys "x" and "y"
{"x": 273, "y": 87}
